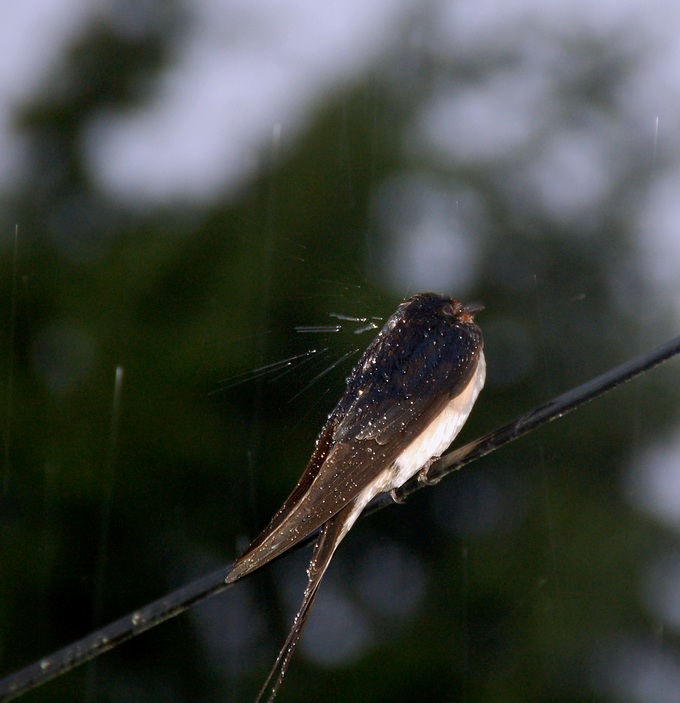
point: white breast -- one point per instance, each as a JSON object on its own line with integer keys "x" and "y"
{"x": 431, "y": 442}
{"x": 439, "y": 434}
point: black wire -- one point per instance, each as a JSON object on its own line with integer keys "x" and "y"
{"x": 553, "y": 409}
{"x": 112, "y": 635}
{"x": 179, "y": 600}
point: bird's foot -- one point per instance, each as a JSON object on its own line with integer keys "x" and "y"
{"x": 396, "y": 497}
{"x": 424, "y": 478}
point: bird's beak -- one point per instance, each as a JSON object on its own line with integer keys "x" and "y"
{"x": 472, "y": 309}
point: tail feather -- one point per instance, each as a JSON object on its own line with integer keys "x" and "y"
{"x": 329, "y": 538}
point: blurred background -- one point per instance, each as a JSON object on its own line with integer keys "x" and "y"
{"x": 208, "y": 207}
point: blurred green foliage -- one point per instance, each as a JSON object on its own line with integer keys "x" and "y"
{"x": 191, "y": 302}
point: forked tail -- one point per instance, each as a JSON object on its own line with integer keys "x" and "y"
{"x": 329, "y": 538}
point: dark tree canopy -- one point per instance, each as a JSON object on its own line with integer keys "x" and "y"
{"x": 226, "y": 202}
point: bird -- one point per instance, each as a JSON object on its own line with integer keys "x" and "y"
{"x": 405, "y": 401}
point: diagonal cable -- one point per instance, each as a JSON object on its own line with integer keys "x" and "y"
{"x": 181, "y": 599}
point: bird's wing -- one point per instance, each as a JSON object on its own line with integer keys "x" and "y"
{"x": 385, "y": 407}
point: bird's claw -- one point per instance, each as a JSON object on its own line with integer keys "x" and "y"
{"x": 396, "y": 497}
{"x": 425, "y": 479}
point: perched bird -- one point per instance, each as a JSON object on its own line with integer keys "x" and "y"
{"x": 405, "y": 401}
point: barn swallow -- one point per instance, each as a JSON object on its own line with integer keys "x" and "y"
{"x": 405, "y": 401}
